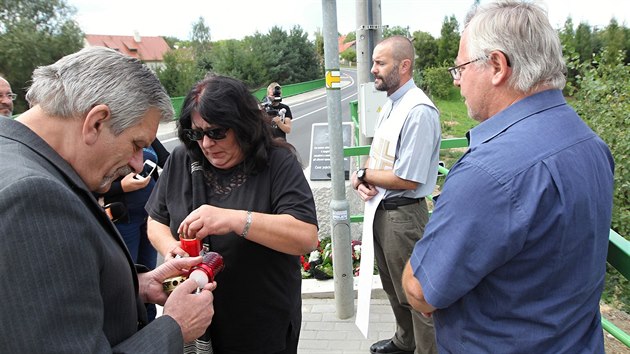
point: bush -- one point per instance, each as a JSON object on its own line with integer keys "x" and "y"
{"x": 435, "y": 82}
{"x": 603, "y": 101}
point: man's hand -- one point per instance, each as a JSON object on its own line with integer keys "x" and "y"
{"x": 365, "y": 190}
{"x": 150, "y": 283}
{"x": 414, "y": 293}
{"x": 191, "y": 310}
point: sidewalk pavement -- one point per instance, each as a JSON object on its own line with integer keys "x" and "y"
{"x": 324, "y": 333}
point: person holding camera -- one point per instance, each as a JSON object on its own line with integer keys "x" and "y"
{"x": 279, "y": 112}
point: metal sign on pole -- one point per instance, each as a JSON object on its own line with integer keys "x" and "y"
{"x": 368, "y": 34}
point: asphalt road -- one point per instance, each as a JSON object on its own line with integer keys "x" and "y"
{"x": 308, "y": 110}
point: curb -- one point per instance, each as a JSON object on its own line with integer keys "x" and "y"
{"x": 325, "y": 289}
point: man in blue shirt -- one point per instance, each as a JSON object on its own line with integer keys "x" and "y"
{"x": 514, "y": 257}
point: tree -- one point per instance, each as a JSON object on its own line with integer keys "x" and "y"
{"x": 34, "y": 33}
{"x": 303, "y": 57}
{"x": 285, "y": 58}
{"x": 180, "y": 72}
{"x": 614, "y": 40}
{"x": 584, "y": 42}
{"x": 396, "y": 31}
{"x": 426, "y": 50}
{"x": 567, "y": 36}
{"x": 200, "y": 41}
{"x": 351, "y": 36}
{"x": 569, "y": 49}
{"x": 174, "y": 42}
{"x": 448, "y": 44}
{"x": 238, "y": 59}
{"x": 319, "y": 47}
{"x": 349, "y": 55}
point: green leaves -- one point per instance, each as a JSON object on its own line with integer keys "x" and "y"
{"x": 34, "y": 33}
{"x": 602, "y": 99}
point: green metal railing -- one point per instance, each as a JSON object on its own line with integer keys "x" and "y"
{"x": 619, "y": 258}
{"x": 618, "y": 247}
{"x": 365, "y": 150}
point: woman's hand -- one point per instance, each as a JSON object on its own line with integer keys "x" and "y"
{"x": 176, "y": 250}
{"x": 281, "y": 232}
{"x": 209, "y": 220}
{"x": 130, "y": 184}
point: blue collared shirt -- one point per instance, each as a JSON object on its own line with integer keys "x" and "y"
{"x": 514, "y": 255}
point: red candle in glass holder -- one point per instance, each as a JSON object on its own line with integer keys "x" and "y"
{"x": 192, "y": 246}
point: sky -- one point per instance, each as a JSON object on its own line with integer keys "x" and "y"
{"x": 235, "y": 19}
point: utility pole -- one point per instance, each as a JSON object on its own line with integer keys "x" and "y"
{"x": 369, "y": 33}
{"x": 340, "y": 208}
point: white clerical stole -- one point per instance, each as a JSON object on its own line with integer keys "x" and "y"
{"x": 382, "y": 157}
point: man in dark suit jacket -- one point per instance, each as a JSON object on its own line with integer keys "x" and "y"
{"x": 69, "y": 284}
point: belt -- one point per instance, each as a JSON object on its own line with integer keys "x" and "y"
{"x": 395, "y": 202}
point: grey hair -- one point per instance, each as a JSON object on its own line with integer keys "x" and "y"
{"x": 523, "y": 33}
{"x": 97, "y": 75}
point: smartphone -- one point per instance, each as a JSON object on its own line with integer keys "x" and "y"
{"x": 147, "y": 169}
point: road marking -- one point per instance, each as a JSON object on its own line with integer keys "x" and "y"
{"x": 319, "y": 109}
{"x": 345, "y": 87}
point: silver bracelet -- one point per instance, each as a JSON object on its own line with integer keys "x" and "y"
{"x": 248, "y": 223}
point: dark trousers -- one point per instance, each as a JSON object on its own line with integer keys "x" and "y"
{"x": 395, "y": 234}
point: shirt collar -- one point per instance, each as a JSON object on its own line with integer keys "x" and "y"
{"x": 402, "y": 90}
{"x": 520, "y": 110}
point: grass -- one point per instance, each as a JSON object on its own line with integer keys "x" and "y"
{"x": 454, "y": 115}
{"x": 455, "y": 123}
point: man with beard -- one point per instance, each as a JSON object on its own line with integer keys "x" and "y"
{"x": 400, "y": 172}
{"x": 6, "y": 99}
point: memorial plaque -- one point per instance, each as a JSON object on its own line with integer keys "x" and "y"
{"x": 320, "y": 151}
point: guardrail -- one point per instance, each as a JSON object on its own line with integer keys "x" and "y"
{"x": 618, "y": 247}
{"x": 355, "y": 151}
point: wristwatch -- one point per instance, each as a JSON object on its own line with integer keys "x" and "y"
{"x": 361, "y": 174}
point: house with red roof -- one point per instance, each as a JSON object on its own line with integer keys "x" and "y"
{"x": 344, "y": 46}
{"x": 150, "y": 50}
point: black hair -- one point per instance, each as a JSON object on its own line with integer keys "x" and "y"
{"x": 228, "y": 103}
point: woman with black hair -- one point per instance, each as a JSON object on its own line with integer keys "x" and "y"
{"x": 244, "y": 193}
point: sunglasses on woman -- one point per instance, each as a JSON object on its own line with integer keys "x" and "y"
{"x": 214, "y": 133}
